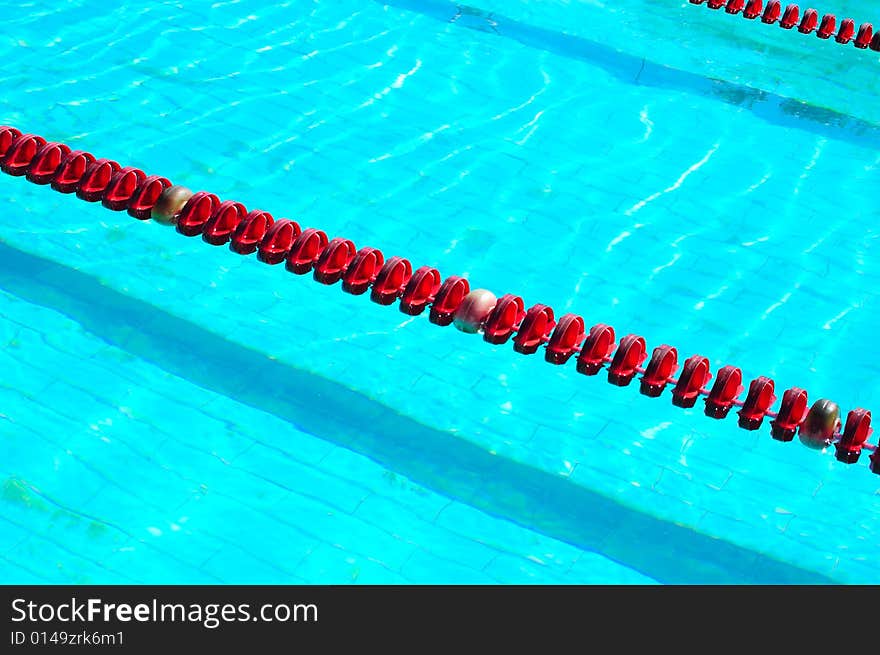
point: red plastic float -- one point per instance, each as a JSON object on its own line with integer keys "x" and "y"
{"x": 875, "y": 42}
{"x": 631, "y": 352}
{"x": 250, "y": 232}
{"x": 846, "y": 31}
{"x": 715, "y": 4}
{"x": 421, "y": 289}
{"x": 753, "y": 9}
{"x": 71, "y": 170}
{"x": 827, "y": 26}
{"x": 792, "y": 412}
{"x": 809, "y": 21}
{"x": 659, "y": 371}
{"x": 391, "y": 280}
{"x": 96, "y": 179}
{"x": 130, "y": 189}
{"x": 534, "y": 330}
{"x": 334, "y": 260}
{"x": 220, "y": 227}
{"x": 566, "y": 339}
{"x": 122, "y": 186}
{"x": 196, "y": 212}
{"x": 863, "y": 38}
{"x": 8, "y": 135}
{"x": 20, "y": 153}
{"x": 504, "y": 319}
{"x": 141, "y": 203}
{"x": 362, "y": 271}
{"x": 757, "y": 403}
{"x": 695, "y": 375}
{"x": 790, "y": 17}
{"x": 735, "y": 6}
{"x": 46, "y": 162}
{"x": 772, "y": 12}
{"x": 448, "y": 298}
{"x": 279, "y": 239}
{"x": 725, "y": 391}
{"x": 856, "y": 432}
{"x": 596, "y": 350}
{"x": 305, "y": 251}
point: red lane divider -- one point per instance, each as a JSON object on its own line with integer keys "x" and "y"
{"x": 790, "y": 18}
{"x": 450, "y": 300}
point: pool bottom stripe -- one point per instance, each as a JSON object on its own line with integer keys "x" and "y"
{"x": 447, "y": 463}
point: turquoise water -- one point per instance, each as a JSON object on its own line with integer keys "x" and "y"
{"x": 172, "y": 412}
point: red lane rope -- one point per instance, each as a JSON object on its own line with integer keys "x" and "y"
{"x": 450, "y": 301}
{"x": 806, "y": 24}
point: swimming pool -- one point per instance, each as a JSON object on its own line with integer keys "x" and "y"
{"x": 173, "y": 412}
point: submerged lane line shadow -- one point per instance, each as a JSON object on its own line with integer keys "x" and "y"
{"x": 440, "y": 461}
{"x": 771, "y": 107}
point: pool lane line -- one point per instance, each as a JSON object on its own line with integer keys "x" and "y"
{"x": 766, "y": 105}
{"x": 807, "y": 24}
{"x": 449, "y": 301}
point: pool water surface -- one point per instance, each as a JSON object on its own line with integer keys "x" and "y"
{"x": 172, "y": 412}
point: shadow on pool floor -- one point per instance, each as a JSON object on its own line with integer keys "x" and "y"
{"x": 446, "y": 463}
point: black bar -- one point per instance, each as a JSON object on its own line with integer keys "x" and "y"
{"x": 415, "y": 619}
